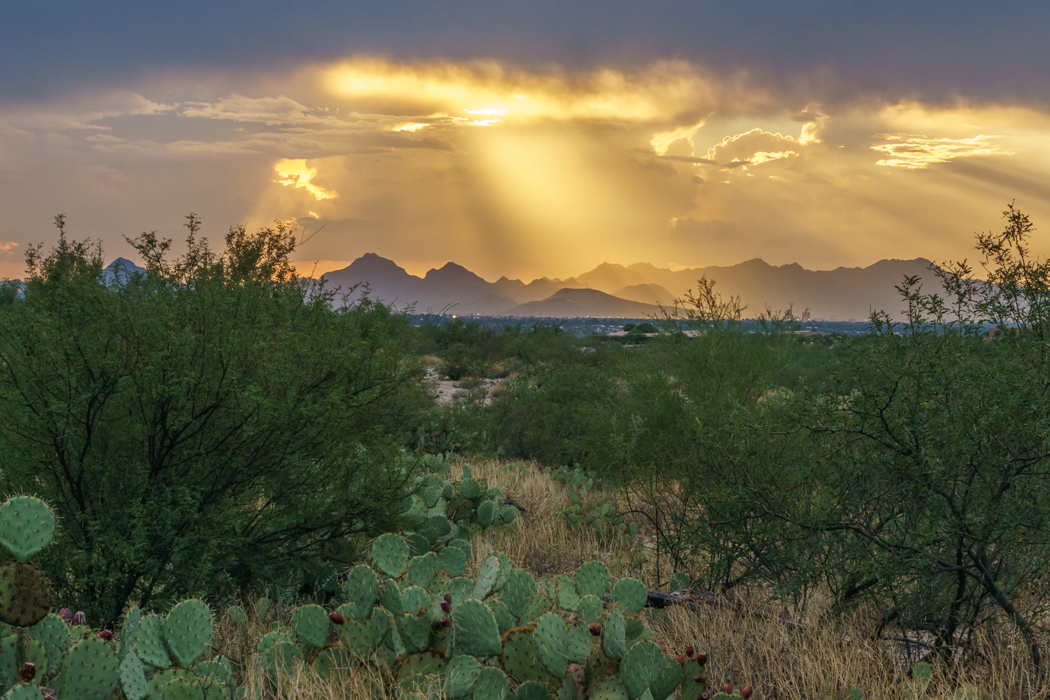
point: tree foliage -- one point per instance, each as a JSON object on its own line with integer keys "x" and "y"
{"x": 209, "y": 426}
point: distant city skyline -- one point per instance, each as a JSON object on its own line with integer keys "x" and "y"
{"x": 531, "y": 142}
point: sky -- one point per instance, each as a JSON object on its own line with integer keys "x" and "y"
{"x": 528, "y": 139}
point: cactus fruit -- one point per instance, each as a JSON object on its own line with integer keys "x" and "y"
{"x": 133, "y": 677}
{"x": 25, "y": 594}
{"x": 90, "y": 671}
{"x": 390, "y": 554}
{"x": 27, "y": 673}
{"x": 311, "y": 624}
{"x": 187, "y": 631}
{"x": 32, "y": 652}
{"x": 475, "y": 629}
{"x": 79, "y": 618}
{"x": 746, "y": 692}
{"x": 27, "y": 525}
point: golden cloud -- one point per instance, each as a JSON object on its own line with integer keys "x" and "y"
{"x": 296, "y": 173}
{"x": 917, "y": 152}
{"x": 754, "y": 147}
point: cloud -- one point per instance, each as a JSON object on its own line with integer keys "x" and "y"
{"x": 917, "y": 152}
{"x": 752, "y": 147}
{"x": 7, "y": 248}
{"x": 296, "y": 173}
{"x": 272, "y": 111}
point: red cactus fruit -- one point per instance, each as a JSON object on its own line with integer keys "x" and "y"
{"x": 698, "y": 678}
{"x": 445, "y": 622}
{"x": 448, "y": 598}
{"x": 79, "y": 618}
{"x": 596, "y": 630}
{"x": 66, "y": 614}
{"x": 27, "y": 673}
{"x": 50, "y": 695}
{"x": 727, "y": 689}
{"x": 746, "y": 691}
{"x": 701, "y": 658}
{"x": 690, "y": 651}
{"x": 706, "y": 695}
{"x": 446, "y": 606}
{"x": 106, "y": 635}
{"x": 680, "y": 659}
{"x": 336, "y": 618}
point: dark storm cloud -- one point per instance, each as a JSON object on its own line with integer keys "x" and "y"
{"x": 846, "y": 49}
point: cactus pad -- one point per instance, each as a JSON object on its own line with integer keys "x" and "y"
{"x": 519, "y": 657}
{"x": 579, "y": 642}
{"x": 639, "y": 668}
{"x": 25, "y": 594}
{"x": 188, "y": 630}
{"x": 133, "y": 677}
{"x": 390, "y": 554}
{"x": 552, "y": 641}
{"x": 613, "y": 639}
{"x": 592, "y": 579}
{"x": 537, "y": 605}
{"x": 279, "y": 657}
{"x": 460, "y": 588}
{"x": 90, "y": 671}
{"x": 490, "y": 685}
{"x": 236, "y": 614}
{"x": 148, "y": 642}
{"x": 487, "y": 513}
{"x": 53, "y": 633}
{"x": 469, "y": 489}
{"x": 414, "y": 631}
{"x": 590, "y": 608}
{"x": 520, "y": 587}
{"x": 26, "y": 526}
{"x": 460, "y": 675}
{"x": 362, "y": 588}
{"x": 9, "y": 665}
{"x": 630, "y": 594}
{"x": 609, "y": 689}
{"x": 453, "y": 560}
{"x": 475, "y": 629}
{"x": 531, "y": 690}
{"x": 668, "y": 678}
{"x": 311, "y": 624}
{"x": 390, "y": 596}
{"x": 504, "y": 618}
{"x": 417, "y": 544}
{"x": 421, "y": 569}
{"x": 487, "y": 578}
{"x": 332, "y": 659}
{"x": 416, "y": 600}
{"x": 359, "y": 638}
{"x": 23, "y": 691}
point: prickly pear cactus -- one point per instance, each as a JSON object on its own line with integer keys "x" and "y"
{"x": 390, "y": 553}
{"x": 311, "y": 624}
{"x": 475, "y": 630}
{"x": 25, "y": 594}
{"x": 90, "y": 671}
{"x": 148, "y": 642}
{"x": 26, "y": 526}
{"x": 133, "y": 677}
{"x": 187, "y": 631}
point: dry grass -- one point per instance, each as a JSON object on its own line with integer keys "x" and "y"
{"x": 785, "y": 654}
